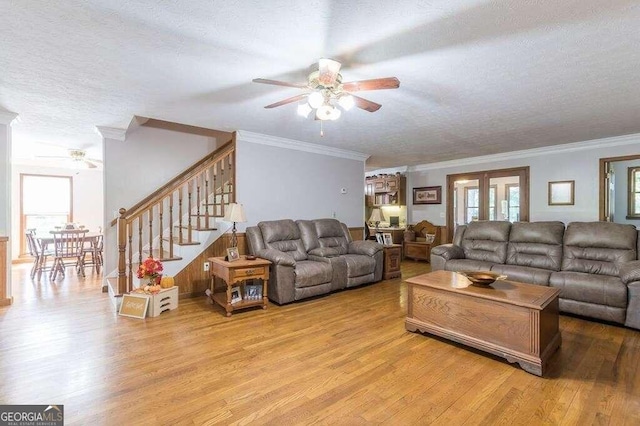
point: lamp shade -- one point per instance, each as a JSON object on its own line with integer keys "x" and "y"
{"x": 376, "y": 216}
{"x": 235, "y": 213}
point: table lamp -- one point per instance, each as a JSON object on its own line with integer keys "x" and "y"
{"x": 376, "y": 217}
{"x": 235, "y": 214}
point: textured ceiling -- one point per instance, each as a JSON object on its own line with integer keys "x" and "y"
{"x": 477, "y": 77}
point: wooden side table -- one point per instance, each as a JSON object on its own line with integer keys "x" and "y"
{"x": 417, "y": 250}
{"x": 236, "y": 274}
{"x": 392, "y": 257}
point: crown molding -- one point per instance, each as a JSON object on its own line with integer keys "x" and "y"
{"x": 390, "y": 171}
{"x": 7, "y": 117}
{"x": 299, "y": 146}
{"x": 112, "y": 133}
{"x": 534, "y": 152}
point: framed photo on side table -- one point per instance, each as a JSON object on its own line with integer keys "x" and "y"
{"x": 379, "y": 238}
{"x": 387, "y": 238}
{"x": 235, "y": 295}
{"x": 427, "y": 195}
{"x": 232, "y": 254}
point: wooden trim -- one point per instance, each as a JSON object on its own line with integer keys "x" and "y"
{"x": 604, "y": 164}
{"x": 631, "y": 191}
{"x": 177, "y": 181}
{"x": 185, "y": 128}
{"x": 4, "y": 273}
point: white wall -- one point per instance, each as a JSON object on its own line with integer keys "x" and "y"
{"x": 134, "y": 168}
{"x": 279, "y": 183}
{"x": 87, "y": 197}
{"x": 577, "y": 162}
{"x": 620, "y": 170}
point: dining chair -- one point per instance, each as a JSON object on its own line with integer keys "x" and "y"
{"x": 68, "y": 246}
{"x": 94, "y": 249}
{"x": 39, "y": 255}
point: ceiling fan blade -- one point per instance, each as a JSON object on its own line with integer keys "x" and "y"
{"x": 374, "y": 84}
{"x": 90, "y": 164}
{"x": 288, "y": 101}
{"x": 279, "y": 83}
{"x": 328, "y": 70}
{"x": 365, "y": 104}
{"x": 95, "y": 160}
{"x": 57, "y": 157}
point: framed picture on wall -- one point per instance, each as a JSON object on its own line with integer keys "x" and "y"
{"x": 562, "y": 193}
{"x": 427, "y": 195}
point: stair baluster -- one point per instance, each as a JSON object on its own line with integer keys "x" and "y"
{"x": 171, "y": 226}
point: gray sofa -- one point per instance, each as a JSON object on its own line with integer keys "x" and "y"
{"x": 313, "y": 257}
{"x": 594, "y": 264}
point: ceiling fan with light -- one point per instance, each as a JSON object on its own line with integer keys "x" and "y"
{"x": 325, "y": 91}
{"x": 76, "y": 156}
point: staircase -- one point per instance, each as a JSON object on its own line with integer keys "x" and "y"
{"x": 178, "y": 221}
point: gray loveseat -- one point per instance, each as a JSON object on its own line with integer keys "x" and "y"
{"x": 313, "y": 257}
{"x": 594, "y": 264}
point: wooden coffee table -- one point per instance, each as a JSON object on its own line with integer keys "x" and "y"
{"x": 515, "y": 321}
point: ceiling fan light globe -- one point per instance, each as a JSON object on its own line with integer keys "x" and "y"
{"x": 325, "y": 112}
{"x": 346, "y": 102}
{"x": 316, "y": 100}
{"x": 304, "y": 110}
{"x": 335, "y": 113}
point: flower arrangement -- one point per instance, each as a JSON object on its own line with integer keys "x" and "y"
{"x": 151, "y": 271}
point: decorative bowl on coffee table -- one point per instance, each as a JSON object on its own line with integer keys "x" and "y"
{"x": 482, "y": 278}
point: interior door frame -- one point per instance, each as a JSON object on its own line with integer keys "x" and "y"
{"x": 605, "y": 163}
{"x": 483, "y": 177}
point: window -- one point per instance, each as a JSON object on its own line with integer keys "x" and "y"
{"x": 493, "y": 189}
{"x": 471, "y": 203}
{"x": 513, "y": 202}
{"x": 45, "y": 202}
{"x": 634, "y": 193}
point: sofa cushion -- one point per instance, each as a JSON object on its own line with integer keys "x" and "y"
{"x": 359, "y": 264}
{"x": 309, "y": 273}
{"x": 486, "y": 241}
{"x": 523, "y": 274}
{"x": 598, "y": 247}
{"x": 590, "y": 288}
{"x": 331, "y": 234}
{"x": 467, "y": 265}
{"x": 283, "y": 235}
{"x": 536, "y": 245}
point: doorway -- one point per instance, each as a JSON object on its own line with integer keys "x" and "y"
{"x": 618, "y": 189}
{"x": 501, "y": 194}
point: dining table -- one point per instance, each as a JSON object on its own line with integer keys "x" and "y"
{"x": 92, "y": 238}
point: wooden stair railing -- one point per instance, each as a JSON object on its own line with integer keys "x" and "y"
{"x": 152, "y": 227}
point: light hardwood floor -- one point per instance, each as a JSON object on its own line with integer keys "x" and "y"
{"x": 342, "y": 359}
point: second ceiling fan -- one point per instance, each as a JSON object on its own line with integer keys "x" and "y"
{"x": 324, "y": 91}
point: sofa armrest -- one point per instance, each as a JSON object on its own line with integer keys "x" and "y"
{"x": 369, "y": 248}
{"x": 630, "y": 271}
{"x": 448, "y": 251}
{"x": 277, "y": 257}
{"x": 324, "y": 252}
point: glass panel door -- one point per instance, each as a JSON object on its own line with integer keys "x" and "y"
{"x": 507, "y": 198}
{"x": 466, "y": 201}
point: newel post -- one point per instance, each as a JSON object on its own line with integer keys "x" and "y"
{"x": 122, "y": 246}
